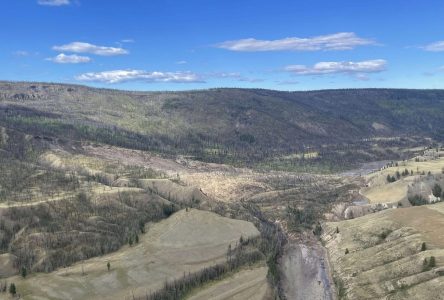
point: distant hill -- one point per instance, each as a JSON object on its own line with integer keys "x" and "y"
{"x": 240, "y": 122}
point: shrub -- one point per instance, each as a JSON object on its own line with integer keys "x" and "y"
{"x": 417, "y": 200}
{"x": 437, "y": 190}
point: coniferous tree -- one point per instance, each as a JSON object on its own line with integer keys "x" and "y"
{"x": 12, "y": 289}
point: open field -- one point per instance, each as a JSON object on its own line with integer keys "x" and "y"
{"x": 384, "y": 258}
{"x": 250, "y": 284}
{"x": 185, "y": 242}
{"x": 380, "y": 191}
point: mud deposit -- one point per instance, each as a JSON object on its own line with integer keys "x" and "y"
{"x": 306, "y": 273}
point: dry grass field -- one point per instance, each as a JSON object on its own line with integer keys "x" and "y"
{"x": 380, "y": 191}
{"x": 249, "y": 284}
{"x": 186, "y": 242}
{"x": 384, "y": 259}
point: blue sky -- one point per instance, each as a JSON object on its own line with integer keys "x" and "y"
{"x": 194, "y": 44}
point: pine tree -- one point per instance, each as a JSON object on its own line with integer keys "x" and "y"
{"x": 108, "y": 265}
{"x": 423, "y": 246}
{"x": 12, "y": 289}
{"x": 432, "y": 262}
{"x": 24, "y": 272}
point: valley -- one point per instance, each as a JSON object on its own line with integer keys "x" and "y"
{"x": 191, "y": 195}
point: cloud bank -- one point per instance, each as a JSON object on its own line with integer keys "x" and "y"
{"x": 435, "y": 47}
{"x": 118, "y": 76}
{"x": 348, "y": 67}
{"x": 81, "y": 47}
{"x": 337, "y": 41}
{"x": 69, "y": 59}
{"x": 53, "y": 2}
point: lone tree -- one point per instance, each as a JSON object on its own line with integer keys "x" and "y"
{"x": 423, "y": 246}
{"x": 432, "y": 262}
{"x": 337, "y": 229}
{"x": 346, "y": 251}
{"x": 12, "y": 289}
{"x": 24, "y": 272}
{"x": 108, "y": 265}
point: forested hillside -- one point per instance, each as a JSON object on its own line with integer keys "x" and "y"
{"x": 227, "y": 125}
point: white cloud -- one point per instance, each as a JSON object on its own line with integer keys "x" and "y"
{"x": 117, "y": 76}
{"x": 53, "y": 2}
{"x": 234, "y": 75}
{"x": 225, "y": 75}
{"x": 251, "y": 80}
{"x": 181, "y": 62}
{"x": 435, "y": 47}
{"x": 21, "y": 53}
{"x": 80, "y": 47}
{"x": 337, "y": 41}
{"x": 287, "y": 82}
{"x": 69, "y": 59}
{"x": 348, "y": 67}
{"x": 128, "y": 41}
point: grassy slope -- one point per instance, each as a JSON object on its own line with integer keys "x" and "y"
{"x": 185, "y": 242}
{"x": 385, "y": 257}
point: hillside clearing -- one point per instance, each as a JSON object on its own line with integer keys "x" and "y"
{"x": 381, "y": 191}
{"x": 185, "y": 242}
{"x": 250, "y": 284}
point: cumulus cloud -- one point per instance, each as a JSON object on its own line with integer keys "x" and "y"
{"x": 117, "y": 76}
{"x": 53, "y": 2}
{"x": 337, "y": 41}
{"x": 69, "y": 59}
{"x": 435, "y": 47}
{"x": 348, "y": 67}
{"x": 81, "y": 47}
